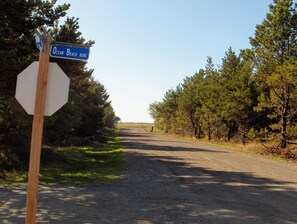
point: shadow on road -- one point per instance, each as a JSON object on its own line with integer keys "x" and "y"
{"x": 161, "y": 188}
{"x": 216, "y": 196}
{"x": 211, "y": 196}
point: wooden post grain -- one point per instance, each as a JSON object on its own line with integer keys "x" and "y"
{"x": 36, "y": 139}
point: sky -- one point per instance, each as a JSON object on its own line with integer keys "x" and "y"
{"x": 143, "y": 48}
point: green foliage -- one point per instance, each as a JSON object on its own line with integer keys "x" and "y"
{"x": 83, "y": 164}
{"x": 274, "y": 46}
{"x": 19, "y": 20}
{"x": 190, "y": 105}
{"x": 261, "y": 135}
{"x": 110, "y": 119}
{"x": 164, "y": 112}
{"x": 253, "y": 94}
{"x": 87, "y": 117}
{"x": 76, "y": 165}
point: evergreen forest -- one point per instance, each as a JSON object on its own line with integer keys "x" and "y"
{"x": 87, "y": 117}
{"x": 250, "y": 97}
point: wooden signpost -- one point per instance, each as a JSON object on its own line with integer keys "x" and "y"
{"x": 59, "y": 85}
{"x": 37, "y": 130}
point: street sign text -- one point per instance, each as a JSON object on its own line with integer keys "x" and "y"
{"x": 70, "y": 52}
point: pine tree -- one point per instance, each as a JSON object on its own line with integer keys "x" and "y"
{"x": 210, "y": 108}
{"x": 19, "y": 21}
{"x": 237, "y": 97}
{"x": 88, "y": 112}
{"x": 229, "y": 101}
{"x": 83, "y": 118}
{"x": 164, "y": 112}
{"x": 274, "y": 46}
{"x": 190, "y": 104}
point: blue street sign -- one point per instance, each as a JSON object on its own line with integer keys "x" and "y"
{"x": 67, "y": 51}
{"x": 40, "y": 41}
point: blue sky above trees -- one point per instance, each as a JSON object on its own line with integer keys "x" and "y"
{"x": 143, "y": 48}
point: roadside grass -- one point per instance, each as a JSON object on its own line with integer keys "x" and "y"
{"x": 12, "y": 177}
{"x": 77, "y": 165}
{"x": 146, "y": 126}
{"x": 267, "y": 150}
{"x": 256, "y": 148}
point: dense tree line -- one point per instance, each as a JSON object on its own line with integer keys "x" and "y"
{"x": 250, "y": 96}
{"x": 86, "y": 117}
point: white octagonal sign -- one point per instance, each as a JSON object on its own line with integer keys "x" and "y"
{"x": 56, "y": 92}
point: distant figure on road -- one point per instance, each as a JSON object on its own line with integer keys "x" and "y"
{"x": 152, "y": 130}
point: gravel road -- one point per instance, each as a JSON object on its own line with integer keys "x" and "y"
{"x": 170, "y": 180}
